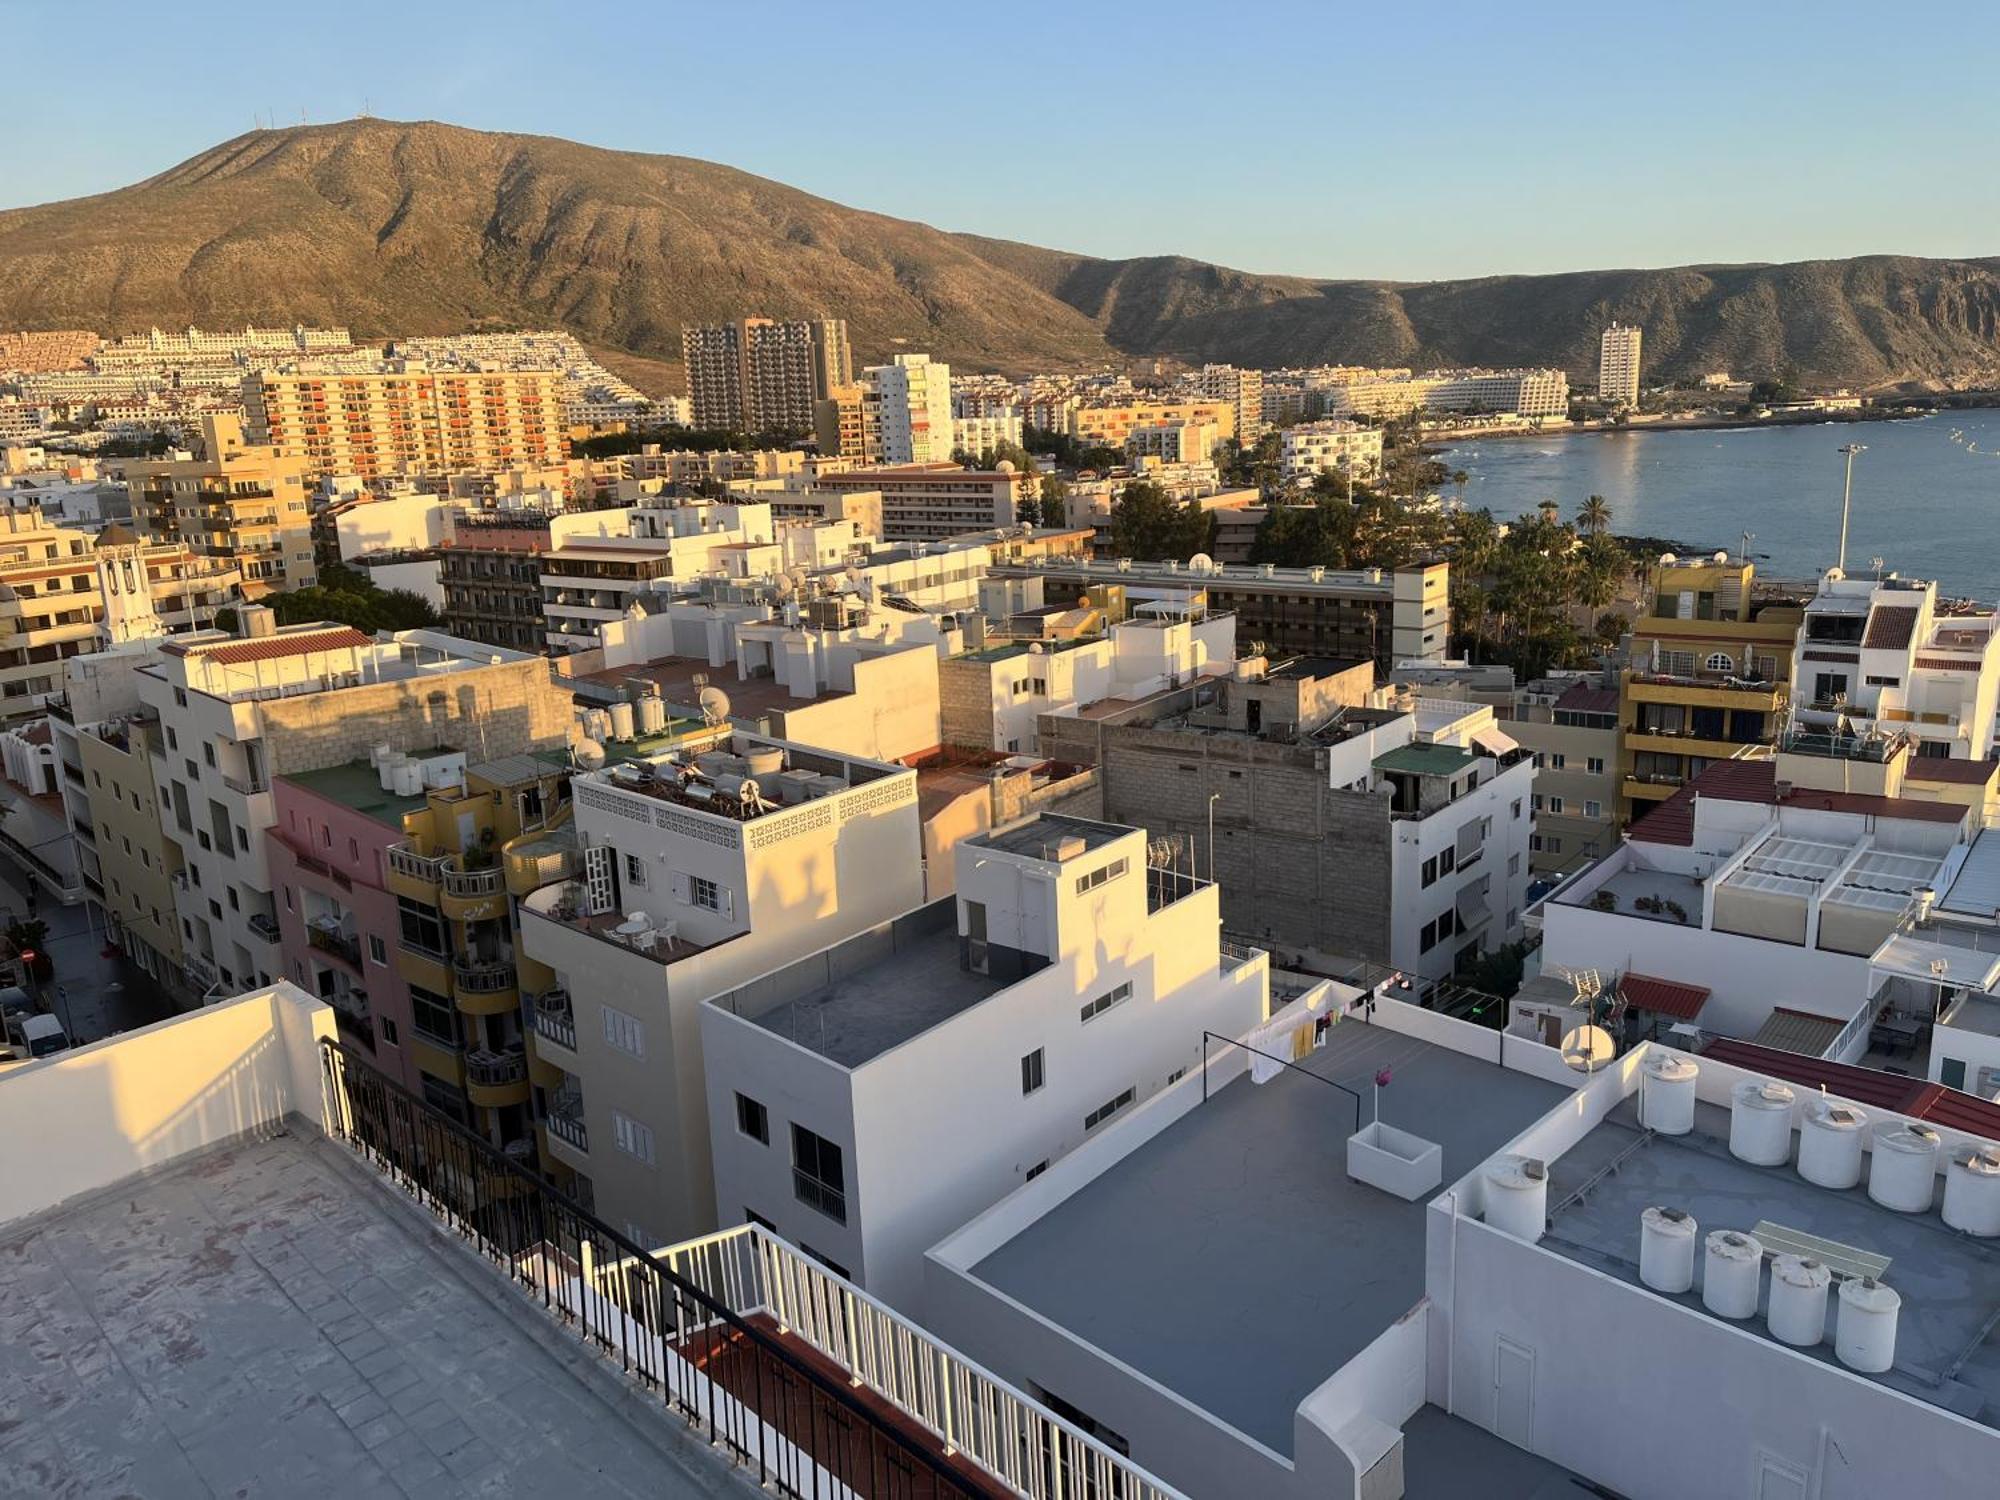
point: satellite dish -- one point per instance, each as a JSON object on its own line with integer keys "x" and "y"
{"x": 1035, "y": 649}
{"x": 1588, "y": 1048}
{"x": 1201, "y": 562}
{"x": 588, "y": 754}
{"x": 714, "y": 705}
{"x": 786, "y": 585}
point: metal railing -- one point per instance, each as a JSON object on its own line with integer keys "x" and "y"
{"x": 495, "y": 1069}
{"x": 735, "y": 1378}
{"x": 483, "y": 976}
{"x": 339, "y": 944}
{"x": 404, "y": 860}
{"x": 471, "y": 884}
{"x": 555, "y": 1019}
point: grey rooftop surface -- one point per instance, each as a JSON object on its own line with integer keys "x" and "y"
{"x": 267, "y": 1320}
{"x": 1037, "y": 837}
{"x": 1231, "y": 1259}
{"x": 1950, "y": 1283}
{"x": 866, "y": 1011}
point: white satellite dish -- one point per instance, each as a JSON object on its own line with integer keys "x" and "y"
{"x": 714, "y": 705}
{"x": 1201, "y": 562}
{"x": 588, "y": 754}
{"x": 1588, "y": 1048}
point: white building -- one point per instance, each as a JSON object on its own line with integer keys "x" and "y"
{"x": 981, "y": 435}
{"x": 909, "y": 402}
{"x": 875, "y": 1096}
{"x": 1172, "y": 442}
{"x": 1331, "y": 447}
{"x": 1618, "y": 365}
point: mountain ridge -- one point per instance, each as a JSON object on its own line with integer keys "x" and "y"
{"x": 432, "y": 228}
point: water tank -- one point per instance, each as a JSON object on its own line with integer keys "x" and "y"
{"x": 765, "y": 761}
{"x": 1903, "y": 1173}
{"x": 380, "y": 753}
{"x": 1666, "y": 1094}
{"x": 597, "y": 724}
{"x": 652, "y": 713}
{"x": 1730, "y": 1274}
{"x": 623, "y": 720}
{"x": 1666, "y": 1249}
{"x": 387, "y": 767}
{"x": 1797, "y": 1312}
{"x": 1760, "y": 1123}
{"x": 409, "y": 778}
{"x": 1972, "y": 1191}
{"x": 1865, "y": 1337}
{"x": 1517, "y": 1196}
{"x": 1830, "y": 1140}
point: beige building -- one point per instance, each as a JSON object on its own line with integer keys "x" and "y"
{"x": 1243, "y": 389}
{"x": 841, "y": 427}
{"x": 1618, "y": 366}
{"x": 233, "y": 500}
{"x": 122, "y": 846}
{"x": 929, "y": 502}
{"x": 1173, "y": 442}
{"x": 385, "y": 421}
{"x": 758, "y": 374}
{"x": 1331, "y": 447}
{"x": 1110, "y": 426}
{"x": 1571, "y": 725}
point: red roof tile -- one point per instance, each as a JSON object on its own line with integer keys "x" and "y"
{"x": 1918, "y": 1098}
{"x": 1582, "y": 698}
{"x": 1947, "y": 664}
{"x": 1890, "y": 628}
{"x": 276, "y": 647}
{"x": 1958, "y": 772}
{"x": 1664, "y": 997}
{"x": 1672, "y": 822}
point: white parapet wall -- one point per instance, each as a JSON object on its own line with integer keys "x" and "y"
{"x": 82, "y": 1120}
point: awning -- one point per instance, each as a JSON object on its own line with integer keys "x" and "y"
{"x": 1799, "y": 1031}
{"x": 1495, "y": 742}
{"x": 1950, "y": 965}
{"x": 1663, "y": 997}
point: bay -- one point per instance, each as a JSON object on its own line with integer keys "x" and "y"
{"x": 1927, "y": 505}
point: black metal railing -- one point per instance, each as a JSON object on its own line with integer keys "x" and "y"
{"x": 737, "y": 1383}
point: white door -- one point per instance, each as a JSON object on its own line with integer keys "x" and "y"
{"x": 1514, "y": 1392}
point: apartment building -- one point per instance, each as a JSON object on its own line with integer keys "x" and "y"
{"x": 1541, "y": 394}
{"x": 761, "y": 375}
{"x": 1341, "y": 824}
{"x": 1172, "y": 442}
{"x": 1570, "y": 726}
{"x": 1243, "y": 389}
{"x": 1388, "y": 618}
{"x": 237, "y": 500}
{"x": 687, "y": 467}
{"x": 688, "y": 883}
{"x": 906, "y": 407}
{"x": 1110, "y": 425}
{"x": 50, "y": 349}
{"x": 1331, "y": 447}
{"x": 980, "y": 435}
{"x": 842, "y": 427}
{"x": 35, "y": 829}
{"x": 932, "y": 501}
{"x": 412, "y": 419}
{"x": 156, "y": 347}
{"x": 1067, "y": 981}
{"x": 1618, "y": 365}
{"x": 235, "y": 712}
{"x": 490, "y": 570}
{"x": 1710, "y": 663}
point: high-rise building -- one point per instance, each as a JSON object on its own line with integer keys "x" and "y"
{"x": 232, "y": 501}
{"x": 1244, "y": 389}
{"x": 907, "y": 405}
{"x": 760, "y": 375}
{"x": 382, "y": 421}
{"x": 841, "y": 426}
{"x": 1618, "y": 365}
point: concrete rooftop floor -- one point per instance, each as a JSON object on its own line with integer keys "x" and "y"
{"x": 1950, "y": 1284}
{"x": 265, "y": 1321}
{"x": 1232, "y": 1259}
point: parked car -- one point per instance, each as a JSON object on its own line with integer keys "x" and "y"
{"x": 31, "y": 1036}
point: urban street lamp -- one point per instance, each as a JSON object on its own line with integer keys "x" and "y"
{"x": 1846, "y": 498}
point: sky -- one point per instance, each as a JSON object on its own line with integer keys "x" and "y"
{"x": 1400, "y": 142}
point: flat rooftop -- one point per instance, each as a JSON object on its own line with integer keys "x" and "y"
{"x": 1950, "y": 1284}
{"x": 1036, "y": 837}
{"x": 674, "y": 676}
{"x": 357, "y": 785}
{"x": 1231, "y": 1259}
{"x": 263, "y": 1321}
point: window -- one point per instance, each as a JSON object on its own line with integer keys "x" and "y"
{"x": 1557, "y": 760}
{"x": 635, "y": 872}
{"x": 1032, "y": 1074}
{"x": 1720, "y": 661}
{"x": 423, "y": 928}
{"x": 433, "y": 1017}
{"x": 1517, "y": 809}
{"x": 1440, "y": 864}
{"x": 1552, "y": 844}
{"x": 632, "y": 1137}
{"x": 1595, "y": 765}
{"x": 1438, "y": 930}
{"x": 753, "y": 1119}
{"x": 1538, "y": 801}
{"x": 1095, "y": 1008}
{"x": 1555, "y": 804}
{"x": 1828, "y": 686}
{"x": 625, "y": 1032}
{"x": 388, "y": 1031}
{"x": 378, "y": 951}
{"x": 1888, "y": 682}
{"x": 1106, "y": 1110}
{"x": 828, "y": 1261}
{"x": 704, "y": 893}
{"x": 1176, "y": 1076}
{"x": 818, "y": 1178}
{"x": 1036, "y": 1170}
{"x": 1099, "y": 876}
{"x": 1513, "y": 864}
{"x": 1593, "y": 809}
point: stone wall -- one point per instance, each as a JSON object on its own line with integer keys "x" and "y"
{"x": 487, "y": 712}
{"x": 965, "y": 703}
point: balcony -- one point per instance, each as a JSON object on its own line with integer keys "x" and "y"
{"x": 1876, "y": 749}
{"x": 266, "y": 927}
{"x": 415, "y": 875}
{"x": 471, "y": 895}
{"x": 1706, "y": 692}
{"x": 335, "y": 943}
{"x": 494, "y": 1080}
{"x": 1651, "y": 787}
{"x": 555, "y": 1020}
{"x": 565, "y": 1122}
{"x": 484, "y": 987}
{"x": 246, "y": 786}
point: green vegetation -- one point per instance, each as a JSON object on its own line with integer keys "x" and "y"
{"x": 1053, "y": 504}
{"x": 1147, "y": 524}
{"x": 684, "y": 439}
{"x": 348, "y": 597}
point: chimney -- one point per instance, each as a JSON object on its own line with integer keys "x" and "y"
{"x": 255, "y": 621}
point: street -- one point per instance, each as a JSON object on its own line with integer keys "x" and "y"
{"x": 93, "y": 996}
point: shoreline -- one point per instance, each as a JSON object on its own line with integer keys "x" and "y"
{"x": 1692, "y": 424}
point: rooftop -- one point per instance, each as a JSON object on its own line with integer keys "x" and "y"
{"x": 674, "y": 677}
{"x": 1672, "y": 821}
{"x": 1425, "y": 760}
{"x": 357, "y": 785}
{"x": 1231, "y": 1258}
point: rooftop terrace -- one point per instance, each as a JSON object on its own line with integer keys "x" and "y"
{"x": 357, "y": 784}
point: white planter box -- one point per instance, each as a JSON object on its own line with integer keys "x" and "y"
{"x": 1395, "y": 1161}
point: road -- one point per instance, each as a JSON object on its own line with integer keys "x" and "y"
{"x": 93, "y": 996}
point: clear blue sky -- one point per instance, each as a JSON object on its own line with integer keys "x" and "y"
{"x": 1443, "y": 139}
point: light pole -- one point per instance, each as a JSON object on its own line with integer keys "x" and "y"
{"x": 1847, "y": 496}
{"x": 1213, "y": 798}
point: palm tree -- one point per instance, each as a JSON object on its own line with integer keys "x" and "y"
{"x": 1593, "y": 517}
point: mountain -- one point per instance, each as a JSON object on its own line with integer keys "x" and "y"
{"x": 427, "y": 228}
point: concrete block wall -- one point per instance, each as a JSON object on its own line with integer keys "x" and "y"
{"x": 488, "y": 712}
{"x": 965, "y": 702}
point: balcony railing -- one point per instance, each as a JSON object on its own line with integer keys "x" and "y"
{"x": 404, "y": 860}
{"x": 495, "y": 1069}
{"x": 339, "y": 944}
{"x": 473, "y": 884}
{"x": 1875, "y": 749}
{"x": 483, "y": 976}
{"x": 565, "y": 1122}
{"x": 246, "y": 786}
{"x": 555, "y": 1019}
{"x": 266, "y": 927}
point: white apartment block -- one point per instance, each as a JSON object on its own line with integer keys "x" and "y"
{"x": 1331, "y": 447}
{"x": 980, "y": 435}
{"x": 908, "y": 402}
{"x": 873, "y": 1097}
{"x": 1525, "y": 393}
{"x": 1243, "y": 388}
{"x": 1618, "y": 365}
{"x": 930, "y": 502}
{"x": 155, "y": 347}
{"x": 1175, "y": 443}
{"x": 689, "y": 884}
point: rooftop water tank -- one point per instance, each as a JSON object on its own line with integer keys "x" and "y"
{"x": 623, "y": 721}
{"x": 1797, "y": 1312}
{"x": 652, "y": 713}
{"x": 1666, "y": 1249}
{"x": 1830, "y": 1140}
{"x": 1865, "y": 1337}
{"x": 1760, "y": 1122}
{"x": 1517, "y": 1196}
{"x": 387, "y": 767}
{"x": 1666, "y": 1093}
{"x": 409, "y": 778}
{"x": 597, "y": 724}
{"x": 765, "y": 761}
{"x": 1731, "y": 1273}
{"x": 1972, "y": 1191}
{"x": 1903, "y": 1172}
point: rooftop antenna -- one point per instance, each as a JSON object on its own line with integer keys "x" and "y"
{"x": 1846, "y": 498}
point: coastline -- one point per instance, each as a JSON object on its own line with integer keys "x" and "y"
{"x": 1691, "y": 424}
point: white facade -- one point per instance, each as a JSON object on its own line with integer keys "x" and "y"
{"x": 981, "y": 435}
{"x": 401, "y": 523}
{"x": 1124, "y": 974}
{"x": 1618, "y": 365}
{"x": 1331, "y": 447}
{"x": 911, "y": 400}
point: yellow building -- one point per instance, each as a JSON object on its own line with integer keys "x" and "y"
{"x": 234, "y": 500}
{"x": 388, "y": 421}
{"x": 1110, "y": 426}
{"x": 1711, "y": 663}
{"x": 127, "y": 868}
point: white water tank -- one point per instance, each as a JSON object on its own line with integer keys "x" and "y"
{"x": 1760, "y": 1122}
{"x": 765, "y": 761}
{"x": 1830, "y": 1140}
{"x": 1666, "y": 1249}
{"x": 1972, "y": 1191}
{"x": 1903, "y": 1173}
{"x": 652, "y": 713}
{"x": 1666, "y": 1092}
{"x": 1797, "y": 1313}
{"x": 380, "y": 753}
{"x": 387, "y": 767}
{"x": 623, "y": 720}
{"x": 596, "y": 724}
{"x": 1865, "y": 1337}
{"x": 409, "y": 778}
{"x": 1731, "y": 1272}
{"x": 1517, "y": 1197}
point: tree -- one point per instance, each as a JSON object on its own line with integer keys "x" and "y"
{"x": 349, "y": 597}
{"x": 1055, "y": 500}
{"x": 1593, "y": 517}
{"x": 1148, "y": 524}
